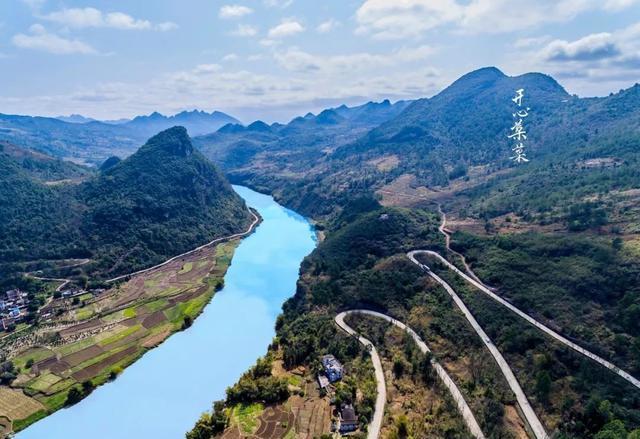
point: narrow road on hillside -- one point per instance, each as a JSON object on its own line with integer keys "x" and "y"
{"x": 530, "y": 416}
{"x": 447, "y": 238}
{"x": 65, "y": 282}
{"x": 376, "y": 422}
{"x": 474, "y": 280}
{"x": 482, "y": 287}
{"x": 381, "y": 398}
{"x": 215, "y": 241}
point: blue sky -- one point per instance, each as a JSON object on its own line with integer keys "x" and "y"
{"x": 275, "y": 59}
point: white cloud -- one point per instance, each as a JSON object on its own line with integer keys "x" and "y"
{"x": 590, "y": 48}
{"x": 245, "y": 30}
{"x": 80, "y": 18}
{"x": 593, "y": 64}
{"x": 40, "y": 39}
{"x": 287, "y": 28}
{"x": 278, "y": 3}
{"x": 327, "y": 26}
{"x": 230, "y": 57}
{"x": 618, "y": 5}
{"x": 524, "y": 43}
{"x": 234, "y": 11}
{"x": 297, "y": 60}
{"x": 207, "y": 68}
{"x": 266, "y": 42}
{"x": 397, "y": 19}
{"x": 246, "y": 94}
{"x": 166, "y": 26}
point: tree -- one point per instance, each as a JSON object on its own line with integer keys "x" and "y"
{"x": 402, "y": 427}
{"x": 635, "y": 434}
{"x": 427, "y": 373}
{"x": 543, "y": 385}
{"x": 219, "y": 419}
{"x": 88, "y": 386}
{"x": 613, "y": 430}
{"x": 202, "y": 429}
{"x": 74, "y": 396}
{"x": 493, "y": 414}
{"x": 7, "y": 373}
{"x": 398, "y": 367}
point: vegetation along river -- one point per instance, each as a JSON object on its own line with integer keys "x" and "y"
{"x": 163, "y": 394}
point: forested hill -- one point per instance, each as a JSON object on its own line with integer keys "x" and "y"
{"x": 458, "y": 133}
{"x": 163, "y": 200}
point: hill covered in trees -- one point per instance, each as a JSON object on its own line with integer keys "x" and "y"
{"x": 457, "y": 136}
{"x": 163, "y": 200}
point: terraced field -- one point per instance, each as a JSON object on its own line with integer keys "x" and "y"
{"x": 109, "y": 333}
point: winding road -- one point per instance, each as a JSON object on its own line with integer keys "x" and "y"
{"x": 530, "y": 416}
{"x": 475, "y": 281}
{"x": 378, "y": 415}
{"x": 256, "y": 219}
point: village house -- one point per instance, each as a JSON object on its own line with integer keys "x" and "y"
{"x": 348, "y": 419}
{"x": 332, "y": 368}
{"x": 13, "y": 295}
{"x": 6, "y": 323}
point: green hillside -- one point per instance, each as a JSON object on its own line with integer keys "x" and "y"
{"x": 161, "y": 201}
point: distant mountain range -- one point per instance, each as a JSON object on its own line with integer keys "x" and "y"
{"x": 294, "y": 148}
{"x": 88, "y": 141}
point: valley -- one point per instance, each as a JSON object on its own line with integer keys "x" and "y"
{"x": 518, "y": 283}
{"x": 288, "y": 219}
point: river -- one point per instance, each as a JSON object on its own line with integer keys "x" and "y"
{"x": 163, "y": 394}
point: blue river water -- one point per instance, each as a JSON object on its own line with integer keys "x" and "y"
{"x": 164, "y": 393}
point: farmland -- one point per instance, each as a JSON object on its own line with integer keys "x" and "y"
{"x": 62, "y": 362}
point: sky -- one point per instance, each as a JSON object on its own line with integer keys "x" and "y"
{"x": 276, "y": 59}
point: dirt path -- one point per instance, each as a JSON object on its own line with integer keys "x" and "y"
{"x": 447, "y": 238}
{"x": 376, "y": 422}
{"x": 256, "y": 219}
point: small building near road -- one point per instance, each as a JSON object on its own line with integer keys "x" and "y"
{"x": 13, "y": 295}
{"x": 348, "y": 419}
{"x": 332, "y": 368}
{"x": 323, "y": 381}
{"x": 6, "y": 323}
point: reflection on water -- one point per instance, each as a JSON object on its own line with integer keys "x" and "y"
{"x": 163, "y": 394}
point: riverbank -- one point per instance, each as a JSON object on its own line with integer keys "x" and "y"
{"x": 162, "y": 394}
{"x": 61, "y": 365}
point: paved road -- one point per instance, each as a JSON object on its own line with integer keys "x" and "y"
{"x": 530, "y": 416}
{"x": 378, "y": 415}
{"x": 168, "y": 261}
{"x": 376, "y": 423}
{"x": 447, "y": 238}
{"x": 482, "y": 287}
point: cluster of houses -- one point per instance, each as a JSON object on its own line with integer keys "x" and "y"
{"x": 333, "y": 371}
{"x": 13, "y": 308}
